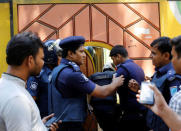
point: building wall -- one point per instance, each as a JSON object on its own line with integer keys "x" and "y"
{"x": 169, "y": 19}
{"x": 4, "y": 34}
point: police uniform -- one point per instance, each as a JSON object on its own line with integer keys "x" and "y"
{"x": 69, "y": 89}
{"x": 168, "y": 83}
{"x": 38, "y": 87}
{"x": 132, "y": 114}
{"x": 72, "y": 82}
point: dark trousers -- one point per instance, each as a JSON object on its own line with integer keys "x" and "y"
{"x": 107, "y": 120}
{"x": 133, "y": 125}
{"x": 71, "y": 126}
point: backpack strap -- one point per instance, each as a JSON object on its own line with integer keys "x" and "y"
{"x": 102, "y": 76}
{"x": 56, "y": 71}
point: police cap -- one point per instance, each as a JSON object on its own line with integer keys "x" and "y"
{"x": 71, "y": 41}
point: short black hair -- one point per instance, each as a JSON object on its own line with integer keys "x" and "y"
{"x": 176, "y": 42}
{"x": 21, "y": 46}
{"x": 72, "y": 48}
{"x": 119, "y": 49}
{"x": 163, "y": 45}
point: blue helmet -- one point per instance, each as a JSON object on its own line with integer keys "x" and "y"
{"x": 50, "y": 51}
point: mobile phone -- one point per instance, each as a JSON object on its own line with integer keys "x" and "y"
{"x": 147, "y": 94}
{"x": 56, "y": 117}
{"x": 50, "y": 121}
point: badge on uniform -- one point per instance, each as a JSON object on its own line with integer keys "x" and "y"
{"x": 34, "y": 85}
{"x": 173, "y": 90}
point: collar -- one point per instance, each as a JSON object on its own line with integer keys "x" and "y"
{"x": 164, "y": 69}
{"x": 45, "y": 68}
{"x": 126, "y": 61}
{"x": 65, "y": 61}
{"x": 72, "y": 64}
{"x": 15, "y": 79}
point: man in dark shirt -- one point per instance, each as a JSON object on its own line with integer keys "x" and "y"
{"x": 132, "y": 114}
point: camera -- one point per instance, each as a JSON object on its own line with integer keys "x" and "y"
{"x": 147, "y": 94}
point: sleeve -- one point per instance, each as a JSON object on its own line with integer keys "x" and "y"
{"x": 32, "y": 86}
{"x": 81, "y": 82}
{"x": 17, "y": 115}
{"x": 175, "y": 103}
{"x": 121, "y": 71}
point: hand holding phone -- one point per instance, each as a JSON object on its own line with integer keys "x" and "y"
{"x": 57, "y": 118}
{"x": 147, "y": 94}
{"x": 50, "y": 121}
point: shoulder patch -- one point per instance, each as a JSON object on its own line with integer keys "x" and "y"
{"x": 171, "y": 75}
{"x": 33, "y": 85}
{"x": 85, "y": 78}
{"x": 74, "y": 65}
{"x": 171, "y": 72}
{"x": 171, "y": 78}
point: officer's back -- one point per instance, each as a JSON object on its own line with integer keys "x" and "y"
{"x": 132, "y": 114}
{"x": 105, "y": 108}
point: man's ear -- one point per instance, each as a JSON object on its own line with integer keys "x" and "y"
{"x": 30, "y": 61}
{"x": 70, "y": 53}
{"x": 167, "y": 55}
{"x": 119, "y": 57}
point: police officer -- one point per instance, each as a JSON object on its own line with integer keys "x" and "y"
{"x": 105, "y": 109}
{"x": 69, "y": 86}
{"x": 164, "y": 77}
{"x": 132, "y": 114}
{"x": 38, "y": 85}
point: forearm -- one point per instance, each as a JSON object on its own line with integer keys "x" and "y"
{"x": 109, "y": 89}
{"x": 104, "y": 91}
{"x": 172, "y": 119}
